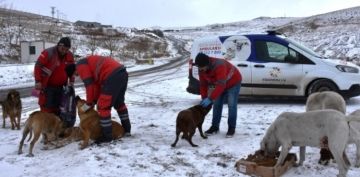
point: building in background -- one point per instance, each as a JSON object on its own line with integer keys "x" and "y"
{"x": 31, "y": 50}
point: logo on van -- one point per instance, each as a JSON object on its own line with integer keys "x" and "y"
{"x": 236, "y": 47}
{"x": 275, "y": 72}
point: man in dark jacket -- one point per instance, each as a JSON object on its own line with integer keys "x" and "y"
{"x": 219, "y": 80}
{"x": 50, "y": 75}
{"x": 106, "y": 81}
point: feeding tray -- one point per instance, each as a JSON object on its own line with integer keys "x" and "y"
{"x": 258, "y": 165}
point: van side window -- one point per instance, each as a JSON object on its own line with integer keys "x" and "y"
{"x": 274, "y": 52}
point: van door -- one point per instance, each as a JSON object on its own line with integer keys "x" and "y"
{"x": 237, "y": 49}
{"x": 276, "y": 70}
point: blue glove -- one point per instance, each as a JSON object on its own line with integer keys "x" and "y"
{"x": 205, "y": 102}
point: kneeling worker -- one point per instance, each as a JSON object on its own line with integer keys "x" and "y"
{"x": 106, "y": 81}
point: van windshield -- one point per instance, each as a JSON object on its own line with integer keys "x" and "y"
{"x": 306, "y": 49}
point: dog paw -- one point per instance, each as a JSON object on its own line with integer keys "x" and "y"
{"x": 173, "y": 145}
{"x": 323, "y": 162}
{"x": 82, "y": 147}
{"x": 298, "y": 164}
{"x": 357, "y": 164}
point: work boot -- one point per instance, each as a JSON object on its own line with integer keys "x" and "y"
{"x": 125, "y": 121}
{"x": 127, "y": 127}
{"x": 212, "y": 130}
{"x": 106, "y": 128}
{"x": 230, "y": 133}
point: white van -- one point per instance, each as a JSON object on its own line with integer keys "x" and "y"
{"x": 273, "y": 65}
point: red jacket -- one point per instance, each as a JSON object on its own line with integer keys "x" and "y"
{"x": 50, "y": 68}
{"x": 222, "y": 74}
{"x": 94, "y": 70}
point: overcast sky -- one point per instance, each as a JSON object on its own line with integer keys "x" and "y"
{"x": 176, "y": 13}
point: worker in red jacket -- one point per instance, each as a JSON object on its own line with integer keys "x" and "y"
{"x": 50, "y": 75}
{"x": 106, "y": 81}
{"x": 219, "y": 81}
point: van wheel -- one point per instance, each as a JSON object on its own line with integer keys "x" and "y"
{"x": 321, "y": 85}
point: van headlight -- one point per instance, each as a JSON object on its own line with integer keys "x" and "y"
{"x": 347, "y": 69}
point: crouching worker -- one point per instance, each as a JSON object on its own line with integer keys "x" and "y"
{"x": 106, "y": 81}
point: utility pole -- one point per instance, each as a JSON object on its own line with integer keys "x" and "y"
{"x": 52, "y": 11}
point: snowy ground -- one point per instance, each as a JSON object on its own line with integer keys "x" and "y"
{"x": 154, "y": 101}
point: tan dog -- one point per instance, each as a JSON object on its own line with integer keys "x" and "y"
{"x": 11, "y": 107}
{"x": 90, "y": 125}
{"x": 188, "y": 120}
{"x": 71, "y": 134}
{"x": 47, "y": 124}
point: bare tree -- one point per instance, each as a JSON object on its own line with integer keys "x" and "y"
{"x": 12, "y": 31}
{"x": 112, "y": 42}
{"x": 94, "y": 39}
{"x": 139, "y": 46}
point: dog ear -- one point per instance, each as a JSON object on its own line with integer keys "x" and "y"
{"x": 77, "y": 98}
{"x": 8, "y": 97}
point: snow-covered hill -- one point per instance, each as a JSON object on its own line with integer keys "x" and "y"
{"x": 123, "y": 43}
{"x": 334, "y": 34}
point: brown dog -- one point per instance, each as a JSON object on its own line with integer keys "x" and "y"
{"x": 47, "y": 124}
{"x": 187, "y": 121}
{"x": 90, "y": 125}
{"x": 71, "y": 134}
{"x": 11, "y": 107}
{"x": 74, "y": 133}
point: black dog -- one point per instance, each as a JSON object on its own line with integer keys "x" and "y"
{"x": 325, "y": 153}
{"x": 187, "y": 121}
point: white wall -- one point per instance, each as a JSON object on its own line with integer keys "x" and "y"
{"x": 26, "y": 57}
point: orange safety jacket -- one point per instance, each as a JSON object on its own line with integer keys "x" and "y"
{"x": 93, "y": 71}
{"x": 49, "y": 69}
{"x": 221, "y": 75}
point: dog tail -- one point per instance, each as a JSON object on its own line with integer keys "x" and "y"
{"x": 30, "y": 132}
{"x": 27, "y": 127}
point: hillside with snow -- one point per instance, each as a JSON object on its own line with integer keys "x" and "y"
{"x": 123, "y": 43}
{"x": 333, "y": 35}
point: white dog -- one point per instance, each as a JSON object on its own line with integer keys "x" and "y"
{"x": 326, "y": 100}
{"x": 308, "y": 129}
{"x": 354, "y": 136}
